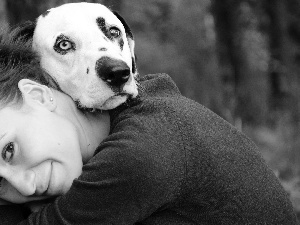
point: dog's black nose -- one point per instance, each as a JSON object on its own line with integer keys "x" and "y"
{"x": 113, "y": 71}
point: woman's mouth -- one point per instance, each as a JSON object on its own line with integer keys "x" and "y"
{"x": 49, "y": 180}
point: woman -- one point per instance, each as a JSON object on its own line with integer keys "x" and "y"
{"x": 166, "y": 160}
{"x": 38, "y": 119}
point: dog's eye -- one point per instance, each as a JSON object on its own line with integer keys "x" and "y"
{"x": 65, "y": 45}
{"x": 114, "y": 32}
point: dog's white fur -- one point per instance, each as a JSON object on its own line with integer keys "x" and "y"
{"x": 75, "y": 71}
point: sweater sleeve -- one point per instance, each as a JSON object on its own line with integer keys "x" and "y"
{"x": 129, "y": 178}
{"x": 12, "y": 214}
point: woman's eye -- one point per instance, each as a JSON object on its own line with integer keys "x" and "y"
{"x": 65, "y": 45}
{"x": 8, "y": 152}
{"x": 114, "y": 32}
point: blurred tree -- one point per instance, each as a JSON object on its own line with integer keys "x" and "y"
{"x": 273, "y": 9}
{"x": 243, "y": 58}
{"x": 226, "y": 56}
{"x": 284, "y": 35}
{"x": 194, "y": 35}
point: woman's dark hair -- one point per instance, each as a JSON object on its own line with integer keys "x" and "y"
{"x": 17, "y": 62}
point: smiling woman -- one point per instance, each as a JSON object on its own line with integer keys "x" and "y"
{"x": 44, "y": 138}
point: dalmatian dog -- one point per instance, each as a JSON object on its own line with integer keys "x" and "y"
{"x": 89, "y": 50}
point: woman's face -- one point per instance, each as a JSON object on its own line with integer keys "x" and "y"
{"x": 39, "y": 154}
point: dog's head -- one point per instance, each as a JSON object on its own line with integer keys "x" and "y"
{"x": 89, "y": 50}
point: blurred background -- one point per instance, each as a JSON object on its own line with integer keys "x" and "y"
{"x": 240, "y": 58}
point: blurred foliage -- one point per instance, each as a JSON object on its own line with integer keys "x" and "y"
{"x": 240, "y": 58}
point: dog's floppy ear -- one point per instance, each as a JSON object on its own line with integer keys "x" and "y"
{"x": 127, "y": 28}
{"x": 130, "y": 39}
{"x": 24, "y": 31}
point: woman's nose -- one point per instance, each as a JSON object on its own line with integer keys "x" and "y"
{"x": 23, "y": 181}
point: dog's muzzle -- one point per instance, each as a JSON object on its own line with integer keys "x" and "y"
{"x": 114, "y": 72}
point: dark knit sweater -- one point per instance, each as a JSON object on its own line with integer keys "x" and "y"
{"x": 169, "y": 160}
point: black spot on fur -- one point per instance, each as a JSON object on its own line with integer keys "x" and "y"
{"x": 87, "y": 70}
{"x": 121, "y": 43}
{"x": 103, "y": 27}
{"x": 133, "y": 65}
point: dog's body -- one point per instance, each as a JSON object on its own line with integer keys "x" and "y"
{"x": 89, "y": 50}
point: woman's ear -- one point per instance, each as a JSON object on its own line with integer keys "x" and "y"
{"x": 35, "y": 93}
